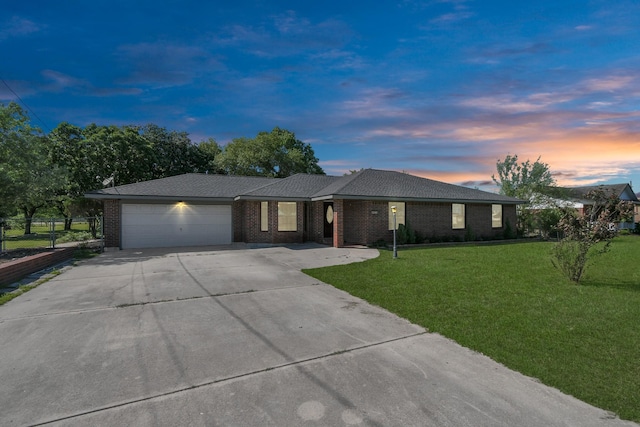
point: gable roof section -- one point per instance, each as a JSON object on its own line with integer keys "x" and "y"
{"x": 191, "y": 186}
{"x": 390, "y": 185}
{"x": 296, "y": 187}
{"x": 623, "y": 191}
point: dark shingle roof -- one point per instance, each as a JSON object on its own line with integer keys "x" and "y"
{"x": 617, "y": 190}
{"x": 380, "y": 184}
{"x": 299, "y": 186}
{"x": 187, "y": 186}
{"x": 366, "y": 184}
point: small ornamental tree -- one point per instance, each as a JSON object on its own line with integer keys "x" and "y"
{"x": 582, "y": 234}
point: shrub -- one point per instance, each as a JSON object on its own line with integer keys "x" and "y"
{"x": 508, "y": 230}
{"x": 405, "y": 234}
{"x": 79, "y": 236}
{"x": 583, "y": 232}
{"x": 469, "y": 235}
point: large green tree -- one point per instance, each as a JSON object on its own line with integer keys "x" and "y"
{"x": 209, "y": 151}
{"x": 29, "y": 179}
{"x": 526, "y": 181}
{"x": 275, "y": 154}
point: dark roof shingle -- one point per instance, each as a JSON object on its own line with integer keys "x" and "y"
{"x": 373, "y": 183}
{"x": 366, "y": 184}
{"x": 187, "y": 186}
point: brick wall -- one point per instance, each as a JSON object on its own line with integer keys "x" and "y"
{"x": 238, "y": 221}
{"x": 316, "y": 222}
{"x": 112, "y": 218}
{"x": 367, "y": 221}
{"x": 251, "y": 224}
{"x": 12, "y": 271}
{"x": 364, "y": 222}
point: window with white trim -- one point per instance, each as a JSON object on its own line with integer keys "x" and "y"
{"x": 457, "y": 216}
{"x": 496, "y": 216}
{"x": 264, "y": 216}
{"x": 400, "y": 210}
{"x": 287, "y": 216}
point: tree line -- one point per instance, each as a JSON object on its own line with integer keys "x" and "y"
{"x": 53, "y": 171}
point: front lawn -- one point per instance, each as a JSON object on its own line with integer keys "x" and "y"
{"x": 510, "y": 303}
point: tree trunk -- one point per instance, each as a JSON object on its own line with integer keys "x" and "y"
{"x": 92, "y": 226}
{"x": 28, "y": 217}
{"x": 67, "y": 223}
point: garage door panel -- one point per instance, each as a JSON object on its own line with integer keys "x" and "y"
{"x": 163, "y": 225}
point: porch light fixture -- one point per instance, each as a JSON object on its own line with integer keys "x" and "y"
{"x": 394, "y": 209}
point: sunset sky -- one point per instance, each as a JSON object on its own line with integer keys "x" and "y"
{"x": 438, "y": 88}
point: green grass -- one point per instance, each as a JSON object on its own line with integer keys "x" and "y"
{"x": 15, "y": 238}
{"x": 5, "y": 298}
{"x": 510, "y": 303}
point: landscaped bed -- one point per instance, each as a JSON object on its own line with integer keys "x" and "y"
{"x": 510, "y": 303}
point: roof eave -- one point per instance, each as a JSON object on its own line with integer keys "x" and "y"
{"x": 158, "y": 198}
{"x": 415, "y": 199}
{"x": 267, "y": 198}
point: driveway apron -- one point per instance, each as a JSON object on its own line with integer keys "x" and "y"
{"x": 237, "y": 336}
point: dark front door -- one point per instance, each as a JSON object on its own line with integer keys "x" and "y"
{"x": 328, "y": 219}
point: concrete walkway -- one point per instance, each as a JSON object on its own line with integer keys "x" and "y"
{"x": 238, "y": 336}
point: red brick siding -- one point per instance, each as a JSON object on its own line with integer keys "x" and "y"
{"x": 338, "y": 223}
{"x": 316, "y": 222}
{"x": 251, "y": 224}
{"x": 366, "y": 221}
{"x": 237, "y": 220}
{"x": 12, "y": 271}
{"x": 112, "y": 218}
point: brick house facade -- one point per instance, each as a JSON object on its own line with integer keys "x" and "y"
{"x": 337, "y": 211}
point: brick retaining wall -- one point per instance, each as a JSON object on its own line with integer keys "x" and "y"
{"x": 12, "y": 271}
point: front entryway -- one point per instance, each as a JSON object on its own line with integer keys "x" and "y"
{"x": 328, "y": 220}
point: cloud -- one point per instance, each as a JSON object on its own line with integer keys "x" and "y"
{"x": 375, "y": 103}
{"x": 511, "y": 104}
{"x": 286, "y": 35}
{"x": 607, "y": 84}
{"x": 58, "y": 82}
{"x": 163, "y": 64}
{"x": 17, "y": 27}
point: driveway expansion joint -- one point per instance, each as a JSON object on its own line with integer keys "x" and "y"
{"x": 230, "y": 378}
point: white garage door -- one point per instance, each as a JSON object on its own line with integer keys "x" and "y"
{"x": 156, "y": 226}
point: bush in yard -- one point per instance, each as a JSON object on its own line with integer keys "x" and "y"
{"x": 405, "y": 234}
{"x": 469, "y": 235}
{"x": 508, "y": 230}
{"x": 80, "y": 236}
{"x": 587, "y": 235}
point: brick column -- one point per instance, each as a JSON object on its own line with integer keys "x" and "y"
{"x": 338, "y": 224}
{"x": 111, "y": 223}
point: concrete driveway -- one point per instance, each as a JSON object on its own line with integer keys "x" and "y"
{"x": 240, "y": 337}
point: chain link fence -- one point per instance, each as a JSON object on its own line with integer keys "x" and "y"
{"x": 19, "y": 234}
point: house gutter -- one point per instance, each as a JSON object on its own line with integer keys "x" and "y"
{"x": 417, "y": 199}
{"x": 159, "y": 198}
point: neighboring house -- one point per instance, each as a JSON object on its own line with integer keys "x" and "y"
{"x": 200, "y": 209}
{"x": 576, "y": 197}
{"x": 621, "y": 191}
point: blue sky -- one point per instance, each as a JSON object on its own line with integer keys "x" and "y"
{"x": 440, "y": 88}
